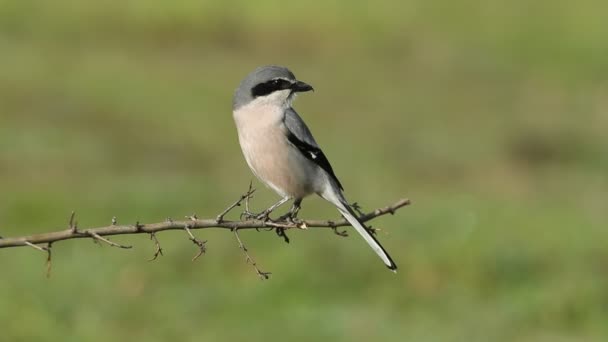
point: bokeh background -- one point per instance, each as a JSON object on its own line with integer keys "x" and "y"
{"x": 491, "y": 116}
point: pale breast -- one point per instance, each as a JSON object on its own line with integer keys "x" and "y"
{"x": 269, "y": 154}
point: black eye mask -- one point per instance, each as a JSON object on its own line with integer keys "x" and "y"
{"x": 269, "y": 87}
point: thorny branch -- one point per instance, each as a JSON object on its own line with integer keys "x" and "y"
{"x": 248, "y": 258}
{"x": 201, "y": 244}
{"x": 159, "y": 250}
{"x": 245, "y": 197}
{"x": 192, "y": 223}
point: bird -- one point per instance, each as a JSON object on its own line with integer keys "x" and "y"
{"x": 281, "y": 151}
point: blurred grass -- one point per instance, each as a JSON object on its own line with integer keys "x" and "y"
{"x": 490, "y": 116}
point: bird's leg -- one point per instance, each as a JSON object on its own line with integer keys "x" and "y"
{"x": 292, "y": 214}
{"x": 289, "y": 217}
{"x": 264, "y": 214}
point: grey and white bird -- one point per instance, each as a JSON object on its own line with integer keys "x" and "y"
{"x": 281, "y": 151}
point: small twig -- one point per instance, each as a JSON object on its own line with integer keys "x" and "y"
{"x": 249, "y": 259}
{"x": 159, "y": 250}
{"x": 201, "y": 244}
{"x": 245, "y": 196}
{"x": 96, "y": 237}
{"x": 251, "y": 191}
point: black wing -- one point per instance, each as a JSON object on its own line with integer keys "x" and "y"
{"x": 314, "y": 154}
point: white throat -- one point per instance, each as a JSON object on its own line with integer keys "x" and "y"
{"x": 281, "y": 98}
{"x": 264, "y": 110}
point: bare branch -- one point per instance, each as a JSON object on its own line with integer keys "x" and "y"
{"x": 170, "y": 224}
{"x": 248, "y": 258}
{"x": 193, "y": 222}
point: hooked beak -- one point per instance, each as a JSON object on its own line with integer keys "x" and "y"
{"x": 300, "y": 86}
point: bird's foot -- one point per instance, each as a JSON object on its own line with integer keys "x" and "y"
{"x": 281, "y": 233}
{"x": 263, "y": 216}
{"x": 290, "y": 217}
{"x": 292, "y": 214}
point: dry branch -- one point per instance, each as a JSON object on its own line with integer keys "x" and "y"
{"x": 248, "y": 258}
{"x": 192, "y": 223}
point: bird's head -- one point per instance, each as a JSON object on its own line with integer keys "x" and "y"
{"x": 271, "y": 85}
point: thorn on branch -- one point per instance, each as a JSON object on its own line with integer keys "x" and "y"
{"x": 97, "y": 238}
{"x": 47, "y": 250}
{"x": 48, "y": 259}
{"x": 114, "y": 221}
{"x": 371, "y": 229}
{"x": 263, "y": 275}
{"x": 138, "y": 226}
{"x": 73, "y": 225}
{"x": 201, "y": 244}
{"x": 250, "y": 192}
{"x": 159, "y": 250}
{"x": 357, "y": 208}
{"x": 342, "y": 233}
{"x": 42, "y": 249}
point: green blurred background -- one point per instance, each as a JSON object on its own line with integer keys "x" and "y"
{"x": 491, "y": 116}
